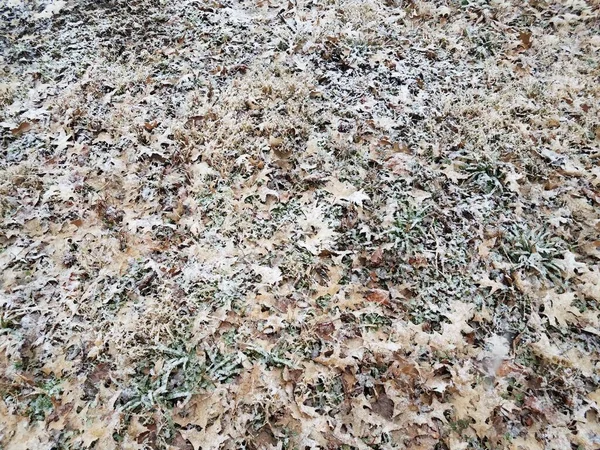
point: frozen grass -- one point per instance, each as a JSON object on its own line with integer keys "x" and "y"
{"x": 312, "y": 224}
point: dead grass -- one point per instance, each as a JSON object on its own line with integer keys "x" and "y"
{"x": 331, "y": 224}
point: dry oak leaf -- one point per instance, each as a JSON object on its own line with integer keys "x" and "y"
{"x": 525, "y": 38}
{"x": 452, "y": 337}
{"x": 528, "y": 442}
{"x": 558, "y": 308}
{"x": 379, "y": 296}
{"x": 595, "y": 396}
{"x": 345, "y": 191}
{"x": 268, "y": 275}
{"x": 99, "y": 432}
{"x": 588, "y": 428}
{"x": 479, "y": 404}
{"x": 362, "y": 412}
{"x": 569, "y": 265}
{"x": 591, "y": 286}
{"x": 377, "y": 257}
{"x": 453, "y": 175}
{"x": 510, "y": 180}
{"x": 26, "y": 436}
{"x": 419, "y": 195}
{"x": 484, "y": 248}
{"x": 568, "y": 357}
{"x": 200, "y": 410}
{"x": 318, "y": 235}
{"x": 210, "y": 438}
{"x": 136, "y": 429}
{"x": 383, "y": 406}
{"x": 485, "y": 281}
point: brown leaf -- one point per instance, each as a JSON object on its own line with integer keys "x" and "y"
{"x": 533, "y": 404}
{"x": 374, "y": 278}
{"x": 275, "y": 142}
{"x": 349, "y": 381}
{"x": 209, "y": 438}
{"x": 265, "y": 438}
{"x": 402, "y": 368}
{"x": 379, "y": 296}
{"x": 401, "y": 147}
{"x": 418, "y": 261}
{"x": 181, "y": 443}
{"x": 59, "y": 414}
{"x": 149, "y": 126}
{"x": 325, "y": 330}
{"x": 202, "y": 408}
{"x": 594, "y": 196}
{"x": 377, "y": 257}
{"x": 292, "y": 375}
{"x": 139, "y": 432}
{"x": 485, "y": 281}
{"x": 484, "y": 248}
{"x": 384, "y": 406}
{"x": 506, "y": 368}
{"x": 100, "y": 430}
{"x": 22, "y": 128}
{"x": 525, "y": 38}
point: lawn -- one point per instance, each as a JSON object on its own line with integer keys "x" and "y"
{"x": 328, "y": 224}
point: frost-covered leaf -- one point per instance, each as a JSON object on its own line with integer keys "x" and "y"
{"x": 268, "y": 275}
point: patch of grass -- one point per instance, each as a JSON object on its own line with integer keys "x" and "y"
{"x": 486, "y": 176}
{"x": 42, "y": 404}
{"x": 514, "y": 391}
{"x": 181, "y": 375}
{"x": 324, "y": 394}
{"x": 323, "y": 301}
{"x": 533, "y": 250}
{"x": 274, "y": 358}
{"x": 39, "y": 407}
{"x": 214, "y": 204}
{"x": 528, "y": 359}
{"x": 287, "y": 437}
{"x": 419, "y": 315}
{"x": 409, "y": 228}
{"x": 230, "y": 338}
{"x": 223, "y": 367}
{"x": 375, "y": 320}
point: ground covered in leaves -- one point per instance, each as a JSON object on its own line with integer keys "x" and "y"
{"x": 355, "y": 224}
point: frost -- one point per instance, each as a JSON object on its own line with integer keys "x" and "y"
{"x": 351, "y": 224}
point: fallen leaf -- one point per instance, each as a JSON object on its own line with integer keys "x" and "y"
{"x": 485, "y": 281}
{"x": 268, "y": 275}
{"x": 379, "y": 296}
{"x": 377, "y": 257}
{"x": 345, "y": 191}
{"x": 525, "y": 38}
{"x": 210, "y": 438}
{"x": 22, "y": 128}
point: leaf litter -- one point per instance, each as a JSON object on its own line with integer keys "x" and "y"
{"x": 309, "y": 224}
